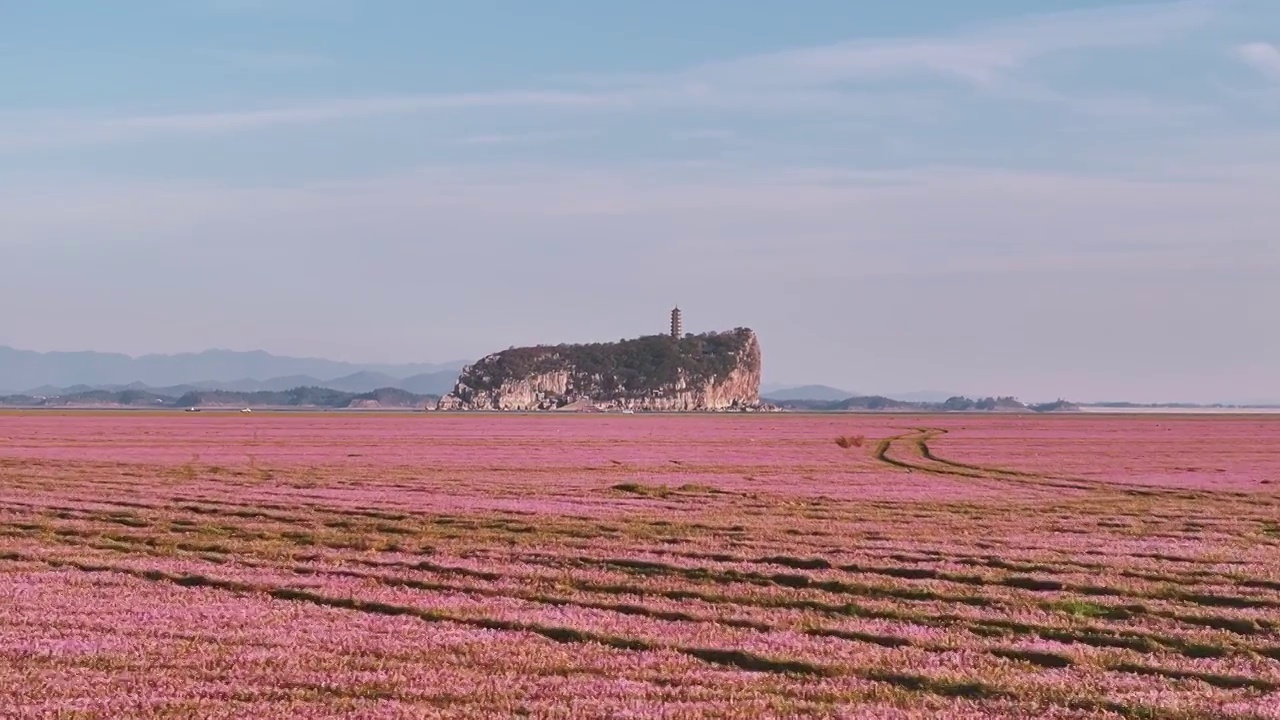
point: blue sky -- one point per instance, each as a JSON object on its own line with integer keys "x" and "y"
{"x": 1042, "y": 199}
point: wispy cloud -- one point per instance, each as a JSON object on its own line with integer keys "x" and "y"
{"x": 845, "y": 78}
{"x": 976, "y": 55}
{"x": 989, "y": 218}
{"x": 33, "y": 132}
{"x": 1262, "y": 56}
{"x": 357, "y": 108}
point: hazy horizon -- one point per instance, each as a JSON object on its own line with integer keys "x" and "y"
{"x": 915, "y": 393}
{"x": 1077, "y": 203}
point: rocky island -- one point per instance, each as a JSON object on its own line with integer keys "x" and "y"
{"x": 707, "y": 372}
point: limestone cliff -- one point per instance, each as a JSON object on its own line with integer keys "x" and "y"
{"x": 713, "y": 371}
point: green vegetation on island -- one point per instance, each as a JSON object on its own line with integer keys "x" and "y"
{"x": 628, "y": 367}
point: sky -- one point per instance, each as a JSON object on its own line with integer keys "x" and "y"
{"x": 1043, "y": 199}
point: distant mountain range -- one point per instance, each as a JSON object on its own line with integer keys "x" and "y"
{"x": 437, "y": 384}
{"x": 826, "y": 393}
{"x": 805, "y": 392}
{"x": 298, "y": 397}
{"x": 93, "y": 377}
{"x": 235, "y": 377}
{"x": 64, "y": 373}
{"x": 824, "y": 397}
{"x": 923, "y": 396}
{"x": 880, "y": 403}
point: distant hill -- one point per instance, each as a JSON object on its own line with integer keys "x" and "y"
{"x": 860, "y": 402}
{"x": 807, "y": 392}
{"x": 294, "y": 397}
{"x": 25, "y": 369}
{"x": 433, "y": 383}
{"x": 391, "y": 398}
{"x": 275, "y": 384}
{"x": 828, "y": 393}
{"x": 880, "y": 403}
{"x": 363, "y": 381}
{"x": 923, "y": 396}
{"x": 243, "y": 385}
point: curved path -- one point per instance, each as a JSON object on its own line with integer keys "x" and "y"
{"x": 911, "y": 451}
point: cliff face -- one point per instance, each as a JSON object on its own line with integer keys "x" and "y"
{"x": 714, "y": 371}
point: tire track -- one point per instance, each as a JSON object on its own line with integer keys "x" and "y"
{"x": 919, "y": 439}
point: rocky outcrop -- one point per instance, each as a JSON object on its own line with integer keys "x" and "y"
{"x": 713, "y": 371}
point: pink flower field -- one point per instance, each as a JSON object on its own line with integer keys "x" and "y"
{"x": 351, "y": 565}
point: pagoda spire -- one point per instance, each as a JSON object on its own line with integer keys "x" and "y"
{"x": 677, "y": 324}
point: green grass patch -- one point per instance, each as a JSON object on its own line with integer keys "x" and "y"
{"x": 1083, "y": 609}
